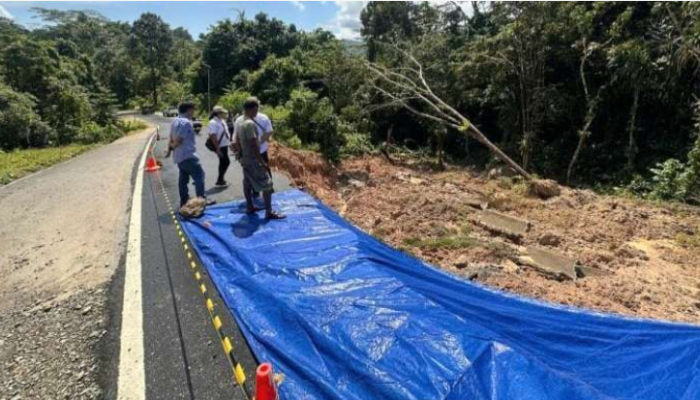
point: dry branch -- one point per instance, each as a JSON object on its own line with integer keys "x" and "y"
{"x": 402, "y": 86}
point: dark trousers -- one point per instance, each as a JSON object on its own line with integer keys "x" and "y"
{"x": 224, "y": 162}
{"x": 190, "y": 168}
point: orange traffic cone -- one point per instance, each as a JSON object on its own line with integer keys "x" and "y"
{"x": 152, "y": 163}
{"x": 264, "y": 383}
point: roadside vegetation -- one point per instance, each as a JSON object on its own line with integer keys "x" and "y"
{"x": 601, "y": 95}
{"x": 18, "y": 163}
{"x": 598, "y": 95}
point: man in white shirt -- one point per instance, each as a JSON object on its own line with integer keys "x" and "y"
{"x": 218, "y": 132}
{"x": 263, "y": 127}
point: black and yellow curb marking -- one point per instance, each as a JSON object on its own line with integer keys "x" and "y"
{"x": 236, "y": 367}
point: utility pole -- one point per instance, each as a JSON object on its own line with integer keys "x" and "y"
{"x": 208, "y": 67}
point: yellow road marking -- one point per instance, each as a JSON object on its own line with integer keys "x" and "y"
{"x": 228, "y": 347}
{"x": 240, "y": 375}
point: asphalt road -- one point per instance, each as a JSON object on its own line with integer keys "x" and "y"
{"x": 184, "y": 358}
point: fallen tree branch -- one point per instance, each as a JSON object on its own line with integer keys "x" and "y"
{"x": 402, "y": 86}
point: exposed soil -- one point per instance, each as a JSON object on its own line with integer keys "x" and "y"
{"x": 62, "y": 233}
{"x": 641, "y": 258}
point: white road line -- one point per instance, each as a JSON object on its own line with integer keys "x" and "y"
{"x": 132, "y": 377}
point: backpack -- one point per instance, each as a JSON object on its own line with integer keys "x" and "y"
{"x": 211, "y": 145}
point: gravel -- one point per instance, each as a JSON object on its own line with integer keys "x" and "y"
{"x": 48, "y": 351}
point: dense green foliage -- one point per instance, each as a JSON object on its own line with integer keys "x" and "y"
{"x": 61, "y": 83}
{"x": 599, "y": 94}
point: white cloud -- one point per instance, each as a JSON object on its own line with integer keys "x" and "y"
{"x": 346, "y": 24}
{"x": 466, "y": 6}
{"x": 4, "y": 13}
{"x": 298, "y": 4}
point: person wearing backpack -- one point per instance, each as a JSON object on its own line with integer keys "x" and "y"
{"x": 219, "y": 141}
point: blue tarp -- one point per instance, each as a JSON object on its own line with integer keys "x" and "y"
{"x": 343, "y": 316}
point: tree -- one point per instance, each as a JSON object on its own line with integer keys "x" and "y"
{"x": 151, "y": 42}
{"x": 19, "y": 123}
{"x": 28, "y": 66}
{"x": 386, "y": 22}
{"x": 232, "y": 49}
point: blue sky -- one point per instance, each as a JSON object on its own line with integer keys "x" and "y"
{"x": 340, "y": 17}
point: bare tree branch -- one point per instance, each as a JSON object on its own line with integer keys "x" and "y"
{"x": 403, "y": 85}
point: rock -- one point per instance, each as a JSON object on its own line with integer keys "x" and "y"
{"x": 475, "y": 200}
{"x": 583, "y": 271}
{"x": 478, "y": 271}
{"x": 551, "y": 263}
{"x": 550, "y": 239}
{"x": 86, "y": 310}
{"x": 462, "y": 261}
{"x": 512, "y": 227}
{"x": 357, "y": 184}
{"x": 415, "y": 181}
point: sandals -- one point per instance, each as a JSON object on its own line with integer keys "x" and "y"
{"x": 253, "y": 210}
{"x": 274, "y": 215}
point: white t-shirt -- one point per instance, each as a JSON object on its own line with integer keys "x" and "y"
{"x": 218, "y": 127}
{"x": 262, "y": 122}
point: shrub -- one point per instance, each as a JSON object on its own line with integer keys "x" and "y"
{"x": 666, "y": 180}
{"x": 91, "y": 132}
{"x": 294, "y": 142}
{"x": 690, "y": 178}
{"x": 313, "y": 121}
{"x": 130, "y": 125}
{"x": 233, "y": 100}
{"x": 20, "y": 125}
{"x": 279, "y": 116}
{"x": 356, "y": 144}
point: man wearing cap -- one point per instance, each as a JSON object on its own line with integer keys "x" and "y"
{"x": 219, "y": 134}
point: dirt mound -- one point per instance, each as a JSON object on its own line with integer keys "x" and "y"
{"x": 543, "y": 188}
{"x": 308, "y": 171}
{"x": 637, "y": 258}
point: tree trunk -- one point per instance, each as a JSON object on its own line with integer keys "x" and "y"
{"x": 583, "y": 135}
{"x": 155, "y": 87}
{"x": 476, "y": 133}
{"x": 632, "y": 145}
{"x": 440, "y": 136}
{"x": 581, "y": 142}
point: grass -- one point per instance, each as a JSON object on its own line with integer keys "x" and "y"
{"x": 18, "y": 163}
{"x": 452, "y": 238}
{"x": 692, "y": 241}
{"x": 130, "y": 125}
